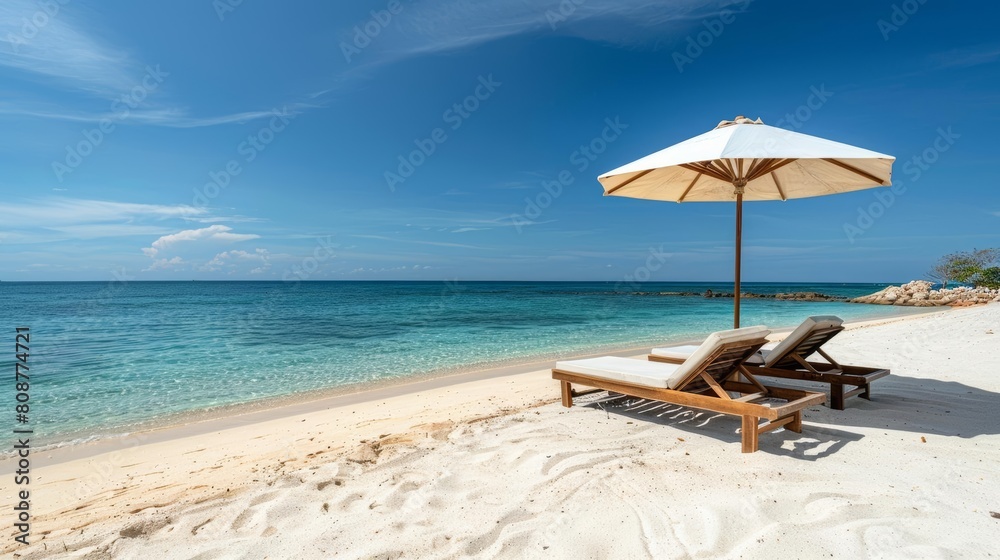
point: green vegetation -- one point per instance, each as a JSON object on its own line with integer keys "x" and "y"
{"x": 977, "y": 267}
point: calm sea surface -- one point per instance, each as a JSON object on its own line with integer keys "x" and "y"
{"x": 106, "y": 359}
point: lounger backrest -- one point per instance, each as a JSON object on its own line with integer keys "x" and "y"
{"x": 808, "y": 337}
{"x": 719, "y": 364}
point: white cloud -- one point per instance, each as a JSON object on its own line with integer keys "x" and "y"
{"x": 404, "y": 268}
{"x": 211, "y": 233}
{"x": 164, "y": 264}
{"x": 231, "y": 260}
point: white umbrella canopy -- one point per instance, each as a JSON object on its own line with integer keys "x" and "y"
{"x": 744, "y": 159}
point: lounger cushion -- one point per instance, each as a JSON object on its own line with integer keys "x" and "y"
{"x": 638, "y": 372}
{"x": 684, "y": 352}
{"x": 799, "y": 334}
{"x": 704, "y": 351}
{"x": 676, "y": 352}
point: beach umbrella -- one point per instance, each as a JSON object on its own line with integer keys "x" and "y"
{"x": 745, "y": 159}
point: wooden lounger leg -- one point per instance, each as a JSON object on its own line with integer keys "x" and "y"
{"x": 796, "y": 424}
{"x": 567, "y": 394}
{"x": 749, "y": 433}
{"x": 837, "y": 396}
{"x": 867, "y": 393}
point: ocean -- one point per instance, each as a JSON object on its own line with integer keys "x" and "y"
{"x": 107, "y": 359}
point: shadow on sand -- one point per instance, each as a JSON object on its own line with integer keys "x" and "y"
{"x": 922, "y": 406}
{"x": 813, "y": 443}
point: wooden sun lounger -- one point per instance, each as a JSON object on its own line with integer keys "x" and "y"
{"x": 795, "y": 366}
{"x": 790, "y": 361}
{"x": 705, "y": 385}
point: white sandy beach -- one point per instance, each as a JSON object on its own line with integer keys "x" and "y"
{"x": 491, "y": 466}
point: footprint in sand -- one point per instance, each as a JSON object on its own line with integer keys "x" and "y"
{"x": 144, "y": 528}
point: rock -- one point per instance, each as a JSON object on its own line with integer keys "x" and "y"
{"x": 918, "y": 293}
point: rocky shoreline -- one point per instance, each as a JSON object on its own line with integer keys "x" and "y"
{"x": 792, "y": 296}
{"x": 918, "y": 293}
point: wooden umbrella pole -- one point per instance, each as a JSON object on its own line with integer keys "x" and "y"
{"x": 739, "y": 247}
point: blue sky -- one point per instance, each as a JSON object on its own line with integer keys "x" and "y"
{"x": 228, "y": 140}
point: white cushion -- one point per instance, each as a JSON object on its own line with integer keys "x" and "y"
{"x": 684, "y": 352}
{"x": 639, "y": 372}
{"x": 698, "y": 358}
{"x": 658, "y": 374}
{"x": 676, "y": 352}
{"x": 799, "y": 334}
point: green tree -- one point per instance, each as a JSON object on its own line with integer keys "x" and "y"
{"x": 989, "y": 278}
{"x": 966, "y": 267}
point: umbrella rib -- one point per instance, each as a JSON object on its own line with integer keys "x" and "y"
{"x": 753, "y": 166}
{"x": 775, "y": 165}
{"x": 777, "y": 184}
{"x": 855, "y": 170}
{"x": 690, "y": 186}
{"x": 703, "y": 169}
{"x": 718, "y": 168}
{"x": 613, "y": 189}
{"x": 729, "y": 167}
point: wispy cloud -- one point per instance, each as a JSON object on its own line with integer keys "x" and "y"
{"x": 161, "y": 116}
{"x": 434, "y": 27}
{"x": 65, "y": 52}
{"x": 95, "y": 231}
{"x": 62, "y": 211}
{"x": 211, "y": 233}
{"x": 416, "y": 241}
{"x": 966, "y": 57}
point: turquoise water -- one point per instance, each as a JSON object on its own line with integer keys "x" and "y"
{"x": 108, "y": 358}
